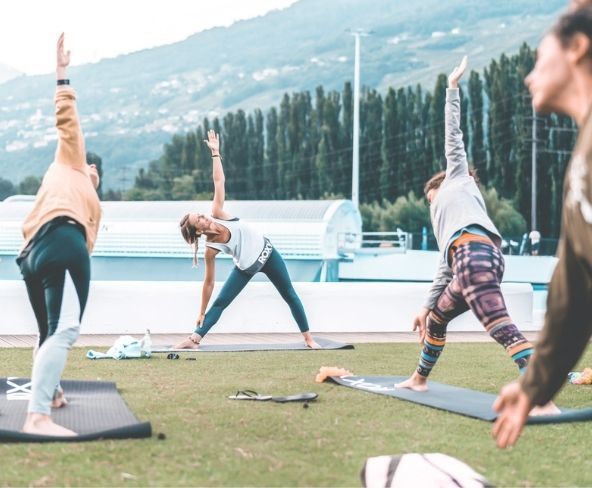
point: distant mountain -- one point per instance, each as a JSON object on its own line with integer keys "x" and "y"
{"x": 131, "y": 104}
{"x": 7, "y": 73}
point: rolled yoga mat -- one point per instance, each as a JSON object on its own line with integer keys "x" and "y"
{"x": 95, "y": 411}
{"x": 326, "y": 344}
{"x": 463, "y": 401}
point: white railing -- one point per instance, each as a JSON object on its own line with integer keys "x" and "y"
{"x": 388, "y": 241}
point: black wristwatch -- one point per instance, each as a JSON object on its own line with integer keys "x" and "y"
{"x": 63, "y": 82}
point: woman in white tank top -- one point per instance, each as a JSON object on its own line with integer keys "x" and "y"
{"x": 251, "y": 251}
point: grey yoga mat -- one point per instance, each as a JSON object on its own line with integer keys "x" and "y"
{"x": 326, "y": 344}
{"x": 471, "y": 403}
{"x": 95, "y": 411}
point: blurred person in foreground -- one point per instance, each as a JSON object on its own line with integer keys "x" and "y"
{"x": 561, "y": 82}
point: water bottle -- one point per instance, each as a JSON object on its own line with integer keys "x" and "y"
{"x": 146, "y": 345}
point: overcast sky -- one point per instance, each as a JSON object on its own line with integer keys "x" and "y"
{"x": 105, "y": 28}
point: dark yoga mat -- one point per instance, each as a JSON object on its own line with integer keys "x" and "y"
{"x": 326, "y": 344}
{"x": 475, "y": 404}
{"x": 95, "y": 411}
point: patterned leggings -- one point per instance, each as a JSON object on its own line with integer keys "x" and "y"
{"x": 478, "y": 270}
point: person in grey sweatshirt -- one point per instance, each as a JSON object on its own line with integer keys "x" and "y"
{"x": 471, "y": 263}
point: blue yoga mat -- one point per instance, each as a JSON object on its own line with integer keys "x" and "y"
{"x": 463, "y": 401}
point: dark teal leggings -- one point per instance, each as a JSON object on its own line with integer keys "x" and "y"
{"x": 275, "y": 270}
{"x": 57, "y": 274}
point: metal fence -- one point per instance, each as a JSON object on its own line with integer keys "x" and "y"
{"x": 402, "y": 241}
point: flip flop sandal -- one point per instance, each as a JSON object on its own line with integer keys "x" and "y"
{"x": 249, "y": 395}
{"x": 301, "y": 397}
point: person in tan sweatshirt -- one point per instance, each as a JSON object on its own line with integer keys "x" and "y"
{"x": 561, "y": 82}
{"x": 59, "y": 232}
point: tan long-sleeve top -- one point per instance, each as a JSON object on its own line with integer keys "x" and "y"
{"x": 67, "y": 189}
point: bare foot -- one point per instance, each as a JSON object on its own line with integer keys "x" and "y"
{"x": 41, "y": 424}
{"x": 546, "y": 409}
{"x": 188, "y": 343}
{"x": 309, "y": 341}
{"x": 59, "y": 400}
{"x": 415, "y": 383}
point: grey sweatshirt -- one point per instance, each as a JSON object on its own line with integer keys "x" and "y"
{"x": 458, "y": 203}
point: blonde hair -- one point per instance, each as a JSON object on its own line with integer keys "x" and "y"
{"x": 191, "y": 237}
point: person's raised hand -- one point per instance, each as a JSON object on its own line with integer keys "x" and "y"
{"x": 457, "y": 72}
{"x": 62, "y": 58}
{"x": 213, "y": 142}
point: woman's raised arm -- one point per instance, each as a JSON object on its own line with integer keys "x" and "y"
{"x": 70, "y": 148}
{"x": 213, "y": 142}
{"x": 456, "y": 156}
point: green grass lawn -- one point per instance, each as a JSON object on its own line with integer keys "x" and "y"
{"x": 211, "y": 440}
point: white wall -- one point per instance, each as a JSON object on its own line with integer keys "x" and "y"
{"x": 422, "y": 265}
{"x": 118, "y": 307}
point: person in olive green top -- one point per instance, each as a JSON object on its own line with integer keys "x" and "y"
{"x": 561, "y": 82}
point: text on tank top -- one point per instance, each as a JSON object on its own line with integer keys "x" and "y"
{"x": 249, "y": 249}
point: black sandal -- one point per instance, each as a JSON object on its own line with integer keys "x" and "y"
{"x": 249, "y": 395}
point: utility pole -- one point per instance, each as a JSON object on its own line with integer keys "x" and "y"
{"x": 533, "y": 179}
{"x": 356, "y": 129}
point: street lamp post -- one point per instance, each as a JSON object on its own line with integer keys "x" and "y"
{"x": 355, "y": 194}
{"x": 533, "y": 181}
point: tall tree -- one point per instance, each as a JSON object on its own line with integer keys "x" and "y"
{"x": 171, "y": 163}
{"x": 282, "y": 145}
{"x": 388, "y": 173}
{"x": 476, "y": 149}
{"x": 437, "y": 104}
{"x": 501, "y": 126}
{"x": 29, "y": 185}
{"x": 337, "y": 181}
{"x": 255, "y": 155}
{"x": 403, "y": 155}
{"x": 370, "y": 146}
{"x": 271, "y": 179}
{"x": 7, "y": 189}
